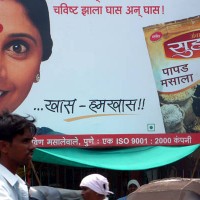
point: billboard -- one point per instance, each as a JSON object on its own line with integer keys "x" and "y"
{"x": 114, "y": 77}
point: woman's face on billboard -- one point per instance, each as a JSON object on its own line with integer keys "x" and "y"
{"x": 20, "y": 54}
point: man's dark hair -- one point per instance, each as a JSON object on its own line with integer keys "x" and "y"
{"x": 38, "y": 13}
{"x": 12, "y": 125}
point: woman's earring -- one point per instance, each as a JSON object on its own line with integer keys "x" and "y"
{"x": 37, "y": 78}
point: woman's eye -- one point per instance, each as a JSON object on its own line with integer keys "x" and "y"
{"x": 17, "y": 48}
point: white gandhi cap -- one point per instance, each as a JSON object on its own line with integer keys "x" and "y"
{"x": 97, "y": 183}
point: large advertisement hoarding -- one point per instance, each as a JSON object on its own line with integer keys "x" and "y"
{"x": 102, "y": 81}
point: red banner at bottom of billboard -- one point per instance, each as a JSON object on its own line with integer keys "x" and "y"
{"x": 115, "y": 140}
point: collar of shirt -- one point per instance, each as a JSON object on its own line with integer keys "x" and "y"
{"x": 9, "y": 176}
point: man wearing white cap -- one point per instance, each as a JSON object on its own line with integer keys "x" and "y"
{"x": 95, "y": 187}
{"x": 131, "y": 187}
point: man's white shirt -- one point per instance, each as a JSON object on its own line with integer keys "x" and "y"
{"x": 12, "y": 187}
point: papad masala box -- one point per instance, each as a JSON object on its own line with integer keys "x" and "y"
{"x": 174, "y": 52}
{"x": 168, "y": 189}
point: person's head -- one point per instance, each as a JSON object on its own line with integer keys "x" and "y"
{"x": 132, "y": 186}
{"x": 25, "y": 42}
{"x": 16, "y": 134}
{"x": 95, "y": 187}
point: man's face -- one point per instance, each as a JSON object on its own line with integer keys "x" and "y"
{"x": 132, "y": 188}
{"x": 88, "y": 194}
{"x": 20, "y": 150}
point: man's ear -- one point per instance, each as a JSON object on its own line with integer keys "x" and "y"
{"x": 4, "y": 146}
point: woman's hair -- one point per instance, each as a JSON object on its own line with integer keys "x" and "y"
{"x": 38, "y": 13}
{"x": 12, "y": 125}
